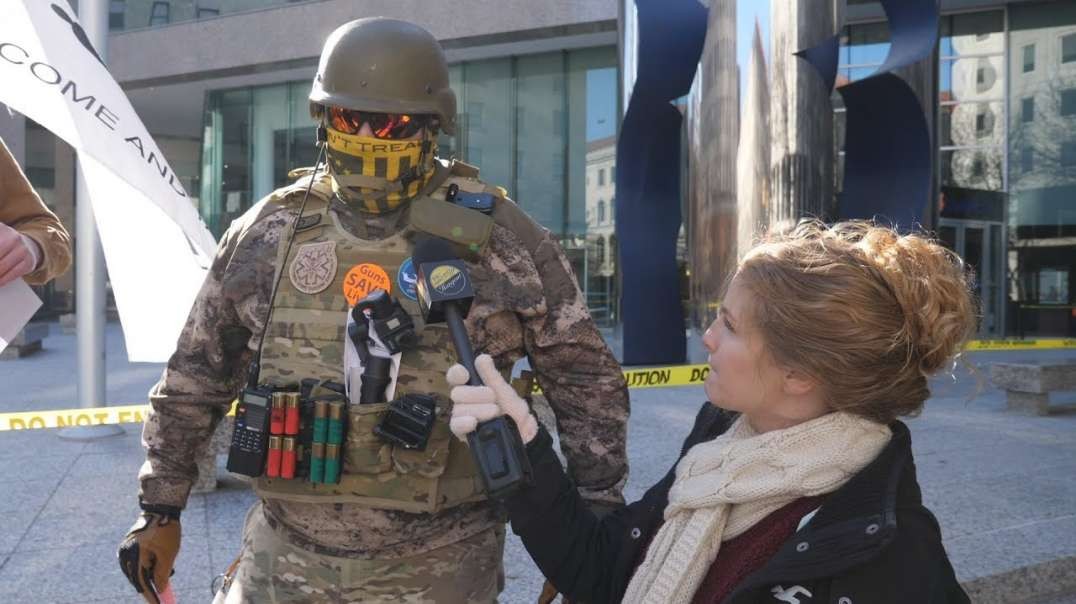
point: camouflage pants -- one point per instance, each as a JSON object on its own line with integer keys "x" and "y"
{"x": 272, "y": 570}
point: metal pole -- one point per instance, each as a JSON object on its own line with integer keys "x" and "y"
{"x": 90, "y": 267}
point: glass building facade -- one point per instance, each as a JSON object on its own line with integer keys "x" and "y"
{"x": 543, "y": 126}
{"x": 765, "y": 143}
{"x": 1006, "y": 134}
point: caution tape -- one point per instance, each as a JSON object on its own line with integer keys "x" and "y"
{"x": 66, "y": 418}
{"x": 642, "y": 377}
{"x": 1043, "y": 344}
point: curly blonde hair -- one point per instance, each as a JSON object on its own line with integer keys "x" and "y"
{"x": 867, "y": 312}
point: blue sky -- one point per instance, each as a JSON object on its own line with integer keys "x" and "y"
{"x": 746, "y": 13}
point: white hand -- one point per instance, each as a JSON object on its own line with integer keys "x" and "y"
{"x": 16, "y": 256}
{"x": 475, "y": 404}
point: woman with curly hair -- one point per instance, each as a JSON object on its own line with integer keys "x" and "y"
{"x": 796, "y": 484}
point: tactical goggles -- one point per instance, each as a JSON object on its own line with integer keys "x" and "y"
{"x": 385, "y": 126}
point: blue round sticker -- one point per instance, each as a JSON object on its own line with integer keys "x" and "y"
{"x": 407, "y": 279}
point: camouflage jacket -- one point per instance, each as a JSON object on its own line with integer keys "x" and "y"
{"x": 543, "y": 316}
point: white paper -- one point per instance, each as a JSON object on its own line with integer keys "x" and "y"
{"x": 18, "y": 303}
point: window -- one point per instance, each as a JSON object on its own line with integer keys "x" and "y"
{"x": 207, "y": 12}
{"x": 978, "y": 168}
{"x": 161, "y": 14}
{"x": 1029, "y": 58}
{"x": 1068, "y": 101}
{"x": 117, "y": 13}
{"x": 1068, "y": 153}
{"x": 1027, "y": 160}
{"x": 601, "y": 176}
{"x": 612, "y": 174}
{"x": 601, "y": 250}
{"x": 1068, "y": 48}
{"x": 980, "y": 76}
{"x": 601, "y": 211}
{"x": 1027, "y": 109}
{"x": 474, "y": 115}
{"x": 980, "y": 125}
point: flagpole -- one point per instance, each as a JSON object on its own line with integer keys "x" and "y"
{"x": 90, "y": 266}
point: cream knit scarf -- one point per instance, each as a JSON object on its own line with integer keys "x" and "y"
{"x": 725, "y": 486}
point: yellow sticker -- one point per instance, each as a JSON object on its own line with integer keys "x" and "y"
{"x": 447, "y": 280}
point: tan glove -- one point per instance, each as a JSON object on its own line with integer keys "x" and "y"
{"x": 472, "y": 405}
{"x": 148, "y": 553}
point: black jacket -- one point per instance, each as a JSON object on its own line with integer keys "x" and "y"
{"x": 872, "y": 541}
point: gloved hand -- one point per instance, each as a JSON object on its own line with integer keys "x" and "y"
{"x": 475, "y": 404}
{"x": 148, "y": 553}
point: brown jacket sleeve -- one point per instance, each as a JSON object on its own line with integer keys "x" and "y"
{"x": 22, "y": 209}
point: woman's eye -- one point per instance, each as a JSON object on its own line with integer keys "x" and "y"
{"x": 728, "y": 325}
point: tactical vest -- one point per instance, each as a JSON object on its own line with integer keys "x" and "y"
{"x": 305, "y": 339}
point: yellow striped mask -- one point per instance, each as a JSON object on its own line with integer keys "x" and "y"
{"x": 378, "y": 175}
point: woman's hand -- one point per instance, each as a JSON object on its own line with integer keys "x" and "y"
{"x": 472, "y": 405}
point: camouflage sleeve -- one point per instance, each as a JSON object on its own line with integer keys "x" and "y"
{"x": 207, "y": 370}
{"x": 579, "y": 376}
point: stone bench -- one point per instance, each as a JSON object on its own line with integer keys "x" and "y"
{"x": 1028, "y": 386}
{"x": 207, "y": 464}
{"x": 27, "y": 342}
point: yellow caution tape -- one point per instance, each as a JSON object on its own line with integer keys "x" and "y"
{"x": 34, "y": 420}
{"x": 1043, "y": 344}
{"x": 642, "y": 377}
{"x": 65, "y": 418}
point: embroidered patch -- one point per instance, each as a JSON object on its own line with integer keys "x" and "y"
{"x": 314, "y": 267}
{"x": 363, "y": 279}
{"x": 407, "y": 279}
{"x": 307, "y": 222}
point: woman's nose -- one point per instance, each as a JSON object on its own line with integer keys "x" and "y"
{"x": 709, "y": 339}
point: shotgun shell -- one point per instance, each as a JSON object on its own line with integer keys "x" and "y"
{"x": 332, "y": 464}
{"x": 287, "y": 458}
{"x": 272, "y": 469}
{"x": 336, "y": 425}
{"x": 317, "y": 463}
{"x": 321, "y": 421}
{"x": 276, "y": 414}
{"x": 291, "y": 413}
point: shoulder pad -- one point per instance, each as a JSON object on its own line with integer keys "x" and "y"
{"x": 459, "y": 168}
{"x": 468, "y": 229}
{"x": 292, "y": 195}
{"x": 509, "y": 215}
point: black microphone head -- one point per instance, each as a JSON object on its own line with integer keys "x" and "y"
{"x": 442, "y": 278}
{"x": 432, "y": 249}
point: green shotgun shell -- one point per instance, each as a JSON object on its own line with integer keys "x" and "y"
{"x": 336, "y": 425}
{"x": 321, "y": 421}
{"x": 332, "y": 464}
{"x": 317, "y": 463}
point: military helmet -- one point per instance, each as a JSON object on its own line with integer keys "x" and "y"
{"x": 384, "y": 65}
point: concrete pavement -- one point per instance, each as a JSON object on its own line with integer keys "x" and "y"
{"x": 1003, "y": 486}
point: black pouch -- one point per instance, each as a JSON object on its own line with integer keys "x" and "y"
{"x": 409, "y": 421}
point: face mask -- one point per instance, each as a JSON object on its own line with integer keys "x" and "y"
{"x": 378, "y": 175}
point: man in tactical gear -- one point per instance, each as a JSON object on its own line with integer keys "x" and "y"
{"x": 401, "y": 524}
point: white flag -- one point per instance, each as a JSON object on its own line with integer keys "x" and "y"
{"x": 156, "y": 245}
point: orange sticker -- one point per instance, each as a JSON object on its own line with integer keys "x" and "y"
{"x": 363, "y": 279}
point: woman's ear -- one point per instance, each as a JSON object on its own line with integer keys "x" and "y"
{"x": 797, "y": 383}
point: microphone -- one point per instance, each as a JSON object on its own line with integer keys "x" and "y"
{"x": 445, "y": 295}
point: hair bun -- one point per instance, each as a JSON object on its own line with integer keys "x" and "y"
{"x": 931, "y": 283}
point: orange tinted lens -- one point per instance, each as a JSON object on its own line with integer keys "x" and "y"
{"x": 345, "y": 120}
